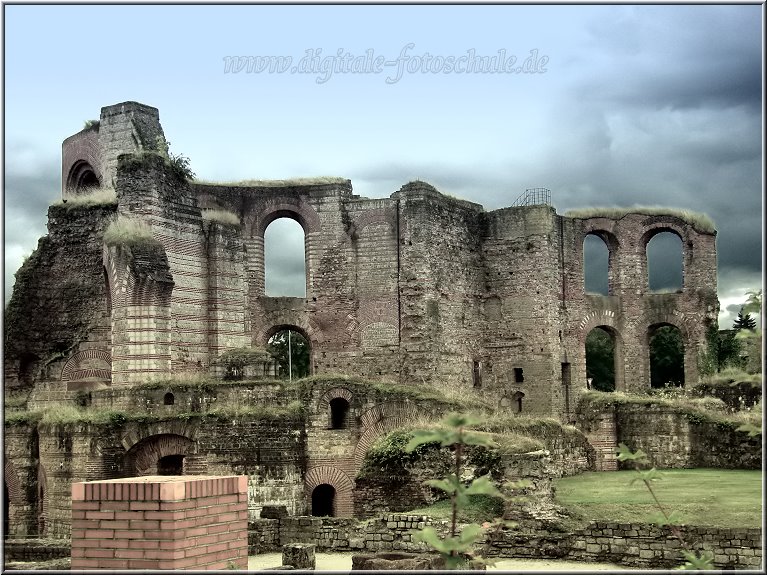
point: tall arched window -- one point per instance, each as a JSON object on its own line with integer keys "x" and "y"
{"x": 664, "y": 263}
{"x": 284, "y": 259}
{"x": 596, "y": 265}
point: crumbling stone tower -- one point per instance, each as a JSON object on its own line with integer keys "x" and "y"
{"x": 417, "y": 287}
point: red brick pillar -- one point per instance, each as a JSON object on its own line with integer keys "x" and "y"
{"x": 160, "y": 522}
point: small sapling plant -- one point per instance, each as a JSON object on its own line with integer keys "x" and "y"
{"x": 456, "y": 548}
{"x": 693, "y": 560}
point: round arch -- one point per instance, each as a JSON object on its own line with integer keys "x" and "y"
{"x": 81, "y": 177}
{"x": 301, "y": 212}
{"x": 338, "y": 480}
{"x": 606, "y": 320}
{"x": 145, "y": 456}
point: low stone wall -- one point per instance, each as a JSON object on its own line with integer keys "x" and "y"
{"x": 633, "y": 545}
{"x": 263, "y": 536}
{"x": 638, "y": 546}
{"x": 36, "y": 549}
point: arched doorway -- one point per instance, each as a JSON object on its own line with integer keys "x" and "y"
{"x": 603, "y": 359}
{"x": 6, "y": 510}
{"x": 161, "y": 454}
{"x": 666, "y": 346}
{"x": 324, "y": 501}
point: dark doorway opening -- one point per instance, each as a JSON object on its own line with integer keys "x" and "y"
{"x": 6, "y": 510}
{"x": 324, "y": 500}
{"x": 170, "y": 465}
{"x": 339, "y": 413}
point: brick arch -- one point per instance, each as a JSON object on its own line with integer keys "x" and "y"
{"x": 80, "y": 150}
{"x": 340, "y": 481}
{"x": 187, "y": 429}
{"x": 88, "y": 364}
{"x": 675, "y": 318}
{"x": 323, "y": 404}
{"x": 380, "y": 420}
{"x": 374, "y": 216}
{"x": 301, "y": 212}
{"x": 142, "y": 458}
{"x": 594, "y": 319}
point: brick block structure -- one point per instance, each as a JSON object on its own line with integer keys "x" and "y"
{"x": 160, "y": 522}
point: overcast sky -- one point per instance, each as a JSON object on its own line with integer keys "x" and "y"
{"x": 615, "y": 106}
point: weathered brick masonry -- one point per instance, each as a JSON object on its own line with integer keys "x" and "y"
{"x": 418, "y": 288}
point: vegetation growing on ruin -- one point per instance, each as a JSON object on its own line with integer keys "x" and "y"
{"x": 94, "y": 197}
{"x": 705, "y": 497}
{"x": 701, "y": 222}
{"x": 128, "y": 232}
{"x": 61, "y": 414}
{"x": 221, "y": 217}
{"x": 697, "y": 410}
{"x": 91, "y": 124}
{"x": 291, "y": 182}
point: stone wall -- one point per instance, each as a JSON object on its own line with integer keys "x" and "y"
{"x": 418, "y": 287}
{"x": 639, "y": 546}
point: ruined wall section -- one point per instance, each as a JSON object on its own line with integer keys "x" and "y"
{"x": 150, "y": 190}
{"x": 632, "y": 310}
{"x": 58, "y": 310}
{"x": 521, "y": 309}
{"x": 441, "y": 285}
{"x": 375, "y": 247}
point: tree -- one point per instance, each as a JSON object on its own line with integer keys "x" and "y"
{"x": 600, "y": 360}
{"x": 728, "y": 349}
{"x": 299, "y": 358}
{"x": 744, "y": 321}
{"x": 666, "y": 357}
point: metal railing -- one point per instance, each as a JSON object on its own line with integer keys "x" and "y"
{"x": 534, "y": 197}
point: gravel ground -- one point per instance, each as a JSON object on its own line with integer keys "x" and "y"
{"x": 343, "y": 562}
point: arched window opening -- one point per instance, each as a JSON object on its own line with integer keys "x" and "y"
{"x": 169, "y": 399}
{"x": 292, "y": 352}
{"x": 596, "y": 265}
{"x": 170, "y": 465}
{"x": 284, "y": 259}
{"x": 666, "y": 357}
{"x": 339, "y": 413}
{"x": 324, "y": 501}
{"x": 600, "y": 360}
{"x": 517, "y": 400}
{"x": 664, "y": 263}
{"x": 82, "y": 178}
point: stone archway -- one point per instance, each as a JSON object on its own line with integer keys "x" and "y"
{"x": 343, "y": 505}
{"x": 158, "y": 454}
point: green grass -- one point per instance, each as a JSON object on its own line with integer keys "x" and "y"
{"x": 94, "y": 197}
{"x": 320, "y": 180}
{"x": 221, "y": 216}
{"x": 701, "y": 222}
{"x": 479, "y": 509}
{"x": 128, "y": 232}
{"x": 702, "y": 497}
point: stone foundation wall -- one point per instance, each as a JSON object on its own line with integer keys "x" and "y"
{"x": 640, "y": 546}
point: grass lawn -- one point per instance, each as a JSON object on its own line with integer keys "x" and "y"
{"x": 710, "y": 497}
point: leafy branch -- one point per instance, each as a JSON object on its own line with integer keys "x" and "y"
{"x": 639, "y": 459}
{"x": 453, "y": 433}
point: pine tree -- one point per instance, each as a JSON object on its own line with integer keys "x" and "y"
{"x": 744, "y": 321}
